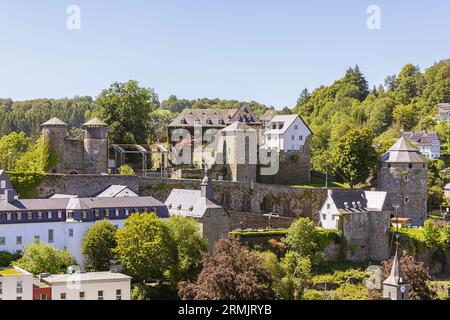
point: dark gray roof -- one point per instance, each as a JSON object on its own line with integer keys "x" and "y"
{"x": 96, "y": 122}
{"x": 403, "y": 151}
{"x": 421, "y": 138}
{"x": 54, "y": 122}
{"x": 356, "y": 201}
{"x": 217, "y": 118}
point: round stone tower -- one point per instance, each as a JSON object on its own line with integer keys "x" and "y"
{"x": 95, "y": 147}
{"x": 403, "y": 175}
{"x": 55, "y": 133}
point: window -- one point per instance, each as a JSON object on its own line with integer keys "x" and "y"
{"x": 82, "y": 295}
{"x": 1, "y": 287}
{"x": 30, "y": 215}
{"x": 19, "y": 240}
{"x": 410, "y": 166}
{"x": 406, "y": 199}
{"x": 18, "y": 298}
{"x": 2, "y": 241}
{"x": 97, "y": 213}
{"x": 19, "y": 288}
{"x": 19, "y": 215}
{"x": 59, "y": 214}
{"x": 292, "y": 137}
{"x": 39, "y": 215}
{"x": 107, "y": 213}
{"x": 118, "y": 294}
{"x": 333, "y": 217}
{"x": 8, "y": 216}
{"x": 69, "y": 214}
{"x": 63, "y": 296}
{"x": 300, "y": 138}
{"x": 406, "y": 178}
{"x": 37, "y": 238}
{"x": 50, "y": 235}
{"x": 389, "y": 165}
{"x": 328, "y": 206}
{"x": 84, "y": 214}
{"x": 117, "y": 212}
{"x": 127, "y": 212}
{"x": 70, "y": 233}
{"x": 49, "y": 214}
{"x": 324, "y": 217}
{"x": 100, "y": 295}
{"x": 295, "y": 127}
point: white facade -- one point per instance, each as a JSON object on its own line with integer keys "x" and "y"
{"x": 447, "y": 190}
{"x": 432, "y": 151}
{"x": 15, "y": 284}
{"x": 66, "y": 235}
{"x": 286, "y": 133}
{"x": 90, "y": 286}
{"x": 329, "y": 214}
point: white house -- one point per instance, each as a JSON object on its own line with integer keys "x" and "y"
{"x": 443, "y": 112}
{"x": 62, "y": 222}
{"x": 89, "y": 286}
{"x": 428, "y": 143}
{"x": 447, "y": 190}
{"x": 345, "y": 201}
{"x": 286, "y": 133}
{"x": 15, "y": 284}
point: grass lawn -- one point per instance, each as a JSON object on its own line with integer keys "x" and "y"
{"x": 317, "y": 182}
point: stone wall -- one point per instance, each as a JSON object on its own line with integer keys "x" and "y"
{"x": 245, "y": 220}
{"x": 235, "y": 196}
{"x": 294, "y": 167}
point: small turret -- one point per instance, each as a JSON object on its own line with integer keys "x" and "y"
{"x": 395, "y": 286}
{"x": 95, "y": 147}
{"x": 206, "y": 187}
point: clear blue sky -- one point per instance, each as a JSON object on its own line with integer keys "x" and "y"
{"x": 248, "y": 49}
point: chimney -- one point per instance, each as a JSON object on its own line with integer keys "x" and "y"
{"x": 330, "y": 192}
{"x": 9, "y": 195}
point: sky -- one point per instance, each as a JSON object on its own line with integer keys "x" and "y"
{"x": 266, "y": 51}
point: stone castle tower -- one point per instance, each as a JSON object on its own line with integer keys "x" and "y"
{"x": 238, "y": 152}
{"x": 78, "y": 156}
{"x": 403, "y": 175}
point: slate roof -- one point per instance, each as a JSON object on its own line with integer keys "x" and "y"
{"x": 268, "y": 115}
{"x": 395, "y": 277}
{"x": 96, "y": 122}
{"x": 216, "y": 118}
{"x": 358, "y": 201}
{"x": 237, "y": 126}
{"x": 287, "y": 120}
{"x": 443, "y": 107}
{"x": 403, "y": 151}
{"x": 421, "y": 138}
{"x": 191, "y": 202}
{"x": 54, "y": 122}
{"x": 113, "y": 190}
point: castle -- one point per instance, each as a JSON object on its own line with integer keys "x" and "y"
{"x": 78, "y": 156}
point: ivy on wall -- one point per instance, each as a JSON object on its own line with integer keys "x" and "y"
{"x": 26, "y": 183}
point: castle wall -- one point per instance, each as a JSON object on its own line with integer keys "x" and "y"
{"x": 235, "y": 196}
{"x": 95, "y": 156}
{"x": 71, "y": 160}
{"x": 407, "y": 188}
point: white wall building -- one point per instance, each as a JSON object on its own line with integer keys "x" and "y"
{"x": 15, "y": 284}
{"x": 428, "y": 143}
{"x": 89, "y": 286}
{"x": 62, "y": 222}
{"x": 443, "y": 112}
{"x": 345, "y": 201}
{"x": 286, "y": 133}
{"x": 447, "y": 190}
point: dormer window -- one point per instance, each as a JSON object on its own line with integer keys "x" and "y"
{"x": 346, "y": 206}
{"x": 30, "y": 215}
{"x": 221, "y": 121}
{"x": 19, "y": 215}
{"x": 198, "y": 121}
{"x": 179, "y": 207}
{"x": 191, "y": 208}
{"x": 209, "y": 121}
{"x": 69, "y": 215}
{"x": 97, "y": 213}
{"x": 49, "y": 214}
{"x": 169, "y": 206}
{"x": 117, "y": 212}
{"x": 59, "y": 214}
{"x": 39, "y": 214}
{"x": 274, "y": 126}
{"x": 183, "y": 121}
{"x": 84, "y": 214}
{"x": 107, "y": 213}
{"x": 8, "y": 216}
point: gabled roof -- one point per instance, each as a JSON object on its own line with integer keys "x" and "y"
{"x": 403, "y": 151}
{"x": 113, "y": 190}
{"x": 191, "y": 201}
{"x": 215, "y": 118}
{"x": 287, "y": 121}
{"x": 421, "y": 138}
{"x": 54, "y": 122}
{"x": 237, "y": 126}
{"x": 357, "y": 201}
{"x": 268, "y": 115}
{"x": 96, "y": 122}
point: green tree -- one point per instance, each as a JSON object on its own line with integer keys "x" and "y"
{"x": 190, "y": 246}
{"x": 98, "y": 244}
{"x": 291, "y": 275}
{"x": 405, "y": 116}
{"x": 12, "y": 148}
{"x": 145, "y": 248}
{"x": 37, "y": 159}
{"x": 127, "y": 107}
{"x": 410, "y": 84}
{"x": 432, "y": 233}
{"x": 303, "y": 238}
{"x": 355, "y": 156}
{"x": 126, "y": 170}
{"x": 39, "y": 258}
